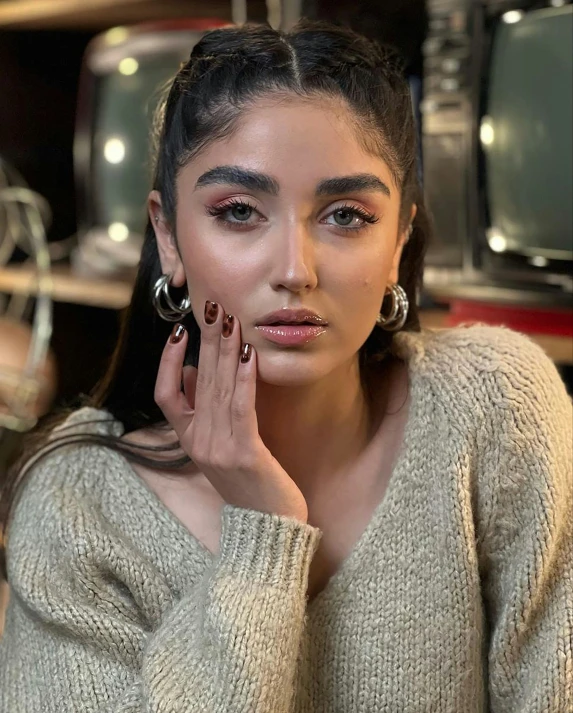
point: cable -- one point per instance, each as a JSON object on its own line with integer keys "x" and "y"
{"x": 274, "y": 13}
{"x": 291, "y": 13}
{"x": 30, "y": 208}
{"x": 239, "y": 11}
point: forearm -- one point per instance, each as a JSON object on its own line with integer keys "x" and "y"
{"x": 239, "y": 636}
{"x": 229, "y": 645}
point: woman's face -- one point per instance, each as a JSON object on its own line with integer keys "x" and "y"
{"x": 279, "y": 215}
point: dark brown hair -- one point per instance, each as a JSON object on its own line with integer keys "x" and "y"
{"x": 228, "y": 70}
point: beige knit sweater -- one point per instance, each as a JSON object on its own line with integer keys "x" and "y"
{"x": 458, "y": 597}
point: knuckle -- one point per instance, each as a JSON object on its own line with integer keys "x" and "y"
{"x": 197, "y": 455}
{"x": 248, "y": 460}
{"x": 226, "y": 346}
{"x": 210, "y": 332}
{"x": 239, "y": 410}
{"x": 161, "y": 395}
{"x": 203, "y": 382}
{"x": 221, "y": 395}
{"x": 243, "y": 376}
{"x": 220, "y": 460}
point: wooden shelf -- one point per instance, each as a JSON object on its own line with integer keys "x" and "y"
{"x": 116, "y": 294}
{"x": 109, "y": 294}
{"x": 102, "y": 14}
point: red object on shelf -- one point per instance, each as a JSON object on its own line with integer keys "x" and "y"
{"x": 527, "y": 320}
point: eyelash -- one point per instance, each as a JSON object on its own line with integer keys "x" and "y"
{"x": 218, "y": 211}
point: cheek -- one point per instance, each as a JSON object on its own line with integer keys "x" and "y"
{"x": 360, "y": 295}
{"x": 216, "y": 277}
{"x": 372, "y": 285}
{"x": 364, "y": 283}
{"x": 368, "y": 298}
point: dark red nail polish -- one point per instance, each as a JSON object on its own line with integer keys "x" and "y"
{"x": 246, "y": 353}
{"x": 228, "y": 324}
{"x": 211, "y": 312}
{"x": 177, "y": 333}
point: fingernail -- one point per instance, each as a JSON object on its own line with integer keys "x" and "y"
{"x": 246, "y": 353}
{"x": 177, "y": 333}
{"x": 211, "y": 312}
{"x": 228, "y": 324}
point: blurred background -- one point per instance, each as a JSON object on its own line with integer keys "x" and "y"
{"x": 492, "y": 89}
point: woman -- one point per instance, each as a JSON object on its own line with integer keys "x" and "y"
{"x": 352, "y": 515}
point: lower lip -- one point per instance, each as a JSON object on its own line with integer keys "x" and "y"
{"x": 294, "y": 335}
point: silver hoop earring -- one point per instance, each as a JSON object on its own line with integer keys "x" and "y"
{"x": 173, "y": 312}
{"x": 396, "y": 319}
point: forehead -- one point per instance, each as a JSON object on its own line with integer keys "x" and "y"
{"x": 298, "y": 141}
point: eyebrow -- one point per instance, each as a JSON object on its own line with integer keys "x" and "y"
{"x": 255, "y": 181}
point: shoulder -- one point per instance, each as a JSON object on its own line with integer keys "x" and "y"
{"x": 74, "y": 453}
{"x": 64, "y": 480}
{"x": 85, "y": 542}
{"x": 504, "y": 395}
{"x": 480, "y": 364}
{"x": 485, "y": 346}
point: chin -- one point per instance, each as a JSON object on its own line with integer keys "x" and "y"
{"x": 292, "y": 367}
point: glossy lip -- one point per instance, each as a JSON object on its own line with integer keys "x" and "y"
{"x": 291, "y": 335}
{"x": 293, "y": 316}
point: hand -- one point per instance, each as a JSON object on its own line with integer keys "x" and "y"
{"x": 215, "y": 420}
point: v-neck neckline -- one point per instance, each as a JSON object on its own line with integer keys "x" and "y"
{"x": 343, "y": 576}
{"x": 341, "y": 579}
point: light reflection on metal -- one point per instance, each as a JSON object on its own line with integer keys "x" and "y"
{"x": 114, "y": 150}
{"x": 128, "y": 66}
{"x": 496, "y": 241}
{"x": 116, "y": 35}
{"x": 538, "y": 261}
{"x": 118, "y": 232}
{"x": 512, "y": 16}
{"x": 486, "y": 131}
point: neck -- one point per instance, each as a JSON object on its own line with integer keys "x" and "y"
{"x": 316, "y": 432}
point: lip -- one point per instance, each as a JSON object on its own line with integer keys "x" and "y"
{"x": 291, "y": 335}
{"x": 296, "y": 316}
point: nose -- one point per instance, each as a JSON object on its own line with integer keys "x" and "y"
{"x": 293, "y": 259}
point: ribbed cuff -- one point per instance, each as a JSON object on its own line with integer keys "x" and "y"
{"x": 266, "y": 548}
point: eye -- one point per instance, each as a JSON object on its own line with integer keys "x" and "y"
{"x": 238, "y": 210}
{"x": 346, "y": 216}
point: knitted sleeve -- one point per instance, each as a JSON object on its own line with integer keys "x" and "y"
{"x": 526, "y": 549}
{"x": 76, "y": 641}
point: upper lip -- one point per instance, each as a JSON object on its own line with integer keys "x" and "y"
{"x": 292, "y": 316}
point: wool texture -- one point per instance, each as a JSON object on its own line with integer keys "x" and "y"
{"x": 457, "y": 598}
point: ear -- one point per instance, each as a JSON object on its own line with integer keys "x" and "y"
{"x": 402, "y": 240}
{"x": 170, "y": 261}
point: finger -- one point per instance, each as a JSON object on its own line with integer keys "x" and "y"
{"x": 189, "y": 383}
{"x": 168, "y": 395}
{"x": 224, "y": 386}
{"x": 244, "y": 423}
{"x": 207, "y": 374}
